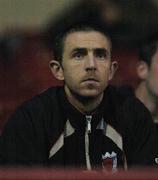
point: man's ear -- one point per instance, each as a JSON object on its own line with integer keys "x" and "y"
{"x": 142, "y": 70}
{"x": 113, "y": 68}
{"x": 56, "y": 70}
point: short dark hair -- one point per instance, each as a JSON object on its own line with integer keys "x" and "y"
{"x": 148, "y": 48}
{"x": 58, "y": 44}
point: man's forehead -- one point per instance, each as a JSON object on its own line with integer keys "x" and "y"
{"x": 92, "y": 39}
{"x": 86, "y": 35}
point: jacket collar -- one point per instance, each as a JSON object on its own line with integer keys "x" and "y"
{"x": 78, "y": 119}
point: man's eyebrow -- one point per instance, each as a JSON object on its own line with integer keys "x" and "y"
{"x": 82, "y": 50}
{"x": 101, "y": 49}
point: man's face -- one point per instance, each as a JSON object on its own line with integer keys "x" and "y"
{"x": 86, "y": 63}
{"x": 152, "y": 78}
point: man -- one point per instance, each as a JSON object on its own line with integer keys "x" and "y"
{"x": 147, "y": 70}
{"x": 86, "y": 123}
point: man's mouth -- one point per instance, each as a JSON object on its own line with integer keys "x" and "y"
{"x": 90, "y": 80}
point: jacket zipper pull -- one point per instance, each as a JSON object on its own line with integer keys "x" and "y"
{"x": 88, "y": 119}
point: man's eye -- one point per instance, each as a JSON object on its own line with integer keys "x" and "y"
{"x": 101, "y": 56}
{"x": 78, "y": 55}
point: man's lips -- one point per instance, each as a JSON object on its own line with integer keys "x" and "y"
{"x": 90, "y": 79}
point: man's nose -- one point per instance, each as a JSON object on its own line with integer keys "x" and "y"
{"x": 90, "y": 62}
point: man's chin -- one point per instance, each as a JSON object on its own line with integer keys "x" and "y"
{"x": 90, "y": 93}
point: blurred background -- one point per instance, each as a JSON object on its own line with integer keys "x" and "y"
{"x": 27, "y": 29}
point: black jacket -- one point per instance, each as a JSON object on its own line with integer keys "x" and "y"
{"x": 49, "y": 131}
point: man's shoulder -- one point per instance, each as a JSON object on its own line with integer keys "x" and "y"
{"x": 45, "y": 97}
{"x": 125, "y": 105}
{"x": 37, "y": 109}
{"x": 119, "y": 94}
{"x": 50, "y": 93}
{"x": 42, "y": 103}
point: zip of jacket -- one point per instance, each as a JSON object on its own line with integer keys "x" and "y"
{"x": 88, "y": 130}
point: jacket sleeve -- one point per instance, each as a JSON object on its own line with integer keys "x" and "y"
{"x": 19, "y": 141}
{"x": 141, "y": 135}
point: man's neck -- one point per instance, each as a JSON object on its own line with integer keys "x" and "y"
{"x": 149, "y": 101}
{"x": 85, "y": 105}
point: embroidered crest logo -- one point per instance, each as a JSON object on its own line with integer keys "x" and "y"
{"x": 109, "y": 161}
